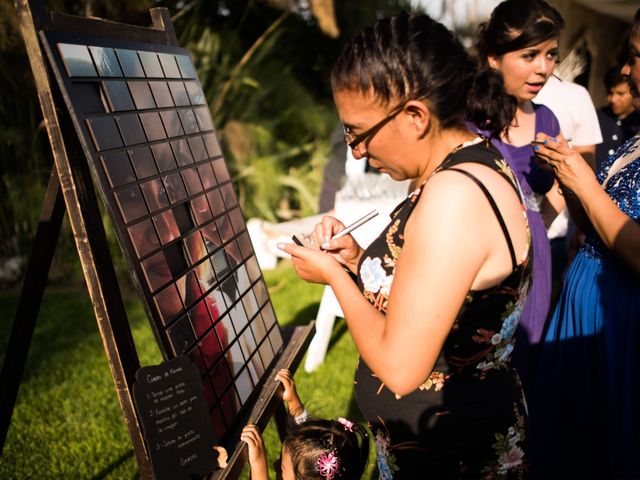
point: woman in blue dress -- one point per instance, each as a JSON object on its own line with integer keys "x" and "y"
{"x": 586, "y": 422}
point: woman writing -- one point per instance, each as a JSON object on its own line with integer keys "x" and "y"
{"x": 588, "y": 389}
{"x": 520, "y": 40}
{"x": 440, "y": 291}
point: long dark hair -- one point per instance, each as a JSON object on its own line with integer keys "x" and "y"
{"x": 517, "y": 24}
{"x": 341, "y": 441}
{"x": 411, "y": 56}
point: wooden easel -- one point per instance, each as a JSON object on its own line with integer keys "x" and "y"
{"x": 71, "y": 190}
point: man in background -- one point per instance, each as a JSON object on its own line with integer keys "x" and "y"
{"x": 619, "y": 120}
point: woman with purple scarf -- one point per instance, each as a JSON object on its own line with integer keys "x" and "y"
{"x": 520, "y": 40}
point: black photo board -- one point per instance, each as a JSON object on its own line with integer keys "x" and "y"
{"x": 144, "y": 124}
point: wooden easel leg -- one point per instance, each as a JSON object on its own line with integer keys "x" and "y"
{"x": 35, "y": 281}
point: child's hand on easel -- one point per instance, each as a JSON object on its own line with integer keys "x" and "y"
{"x": 257, "y": 455}
{"x": 290, "y": 394}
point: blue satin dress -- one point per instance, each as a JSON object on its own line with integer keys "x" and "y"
{"x": 586, "y": 412}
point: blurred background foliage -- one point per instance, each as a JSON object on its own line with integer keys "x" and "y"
{"x": 264, "y": 67}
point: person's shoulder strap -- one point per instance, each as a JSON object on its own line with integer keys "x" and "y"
{"x": 488, "y": 153}
{"x": 496, "y": 211}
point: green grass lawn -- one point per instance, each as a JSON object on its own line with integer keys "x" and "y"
{"x": 67, "y": 422}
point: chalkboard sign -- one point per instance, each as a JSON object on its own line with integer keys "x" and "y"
{"x": 171, "y": 408}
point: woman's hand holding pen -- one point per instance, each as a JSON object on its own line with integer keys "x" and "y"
{"x": 571, "y": 170}
{"x": 319, "y": 266}
{"x": 343, "y": 248}
{"x": 312, "y": 265}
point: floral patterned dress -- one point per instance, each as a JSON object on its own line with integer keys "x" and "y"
{"x": 468, "y": 419}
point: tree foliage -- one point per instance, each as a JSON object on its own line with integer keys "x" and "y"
{"x": 264, "y": 67}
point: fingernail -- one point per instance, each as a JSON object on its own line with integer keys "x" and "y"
{"x": 325, "y": 245}
{"x": 281, "y": 246}
{"x": 553, "y": 139}
{"x": 536, "y": 148}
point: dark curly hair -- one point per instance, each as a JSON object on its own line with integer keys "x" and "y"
{"x": 411, "y": 56}
{"x": 517, "y": 24}
{"x": 308, "y": 441}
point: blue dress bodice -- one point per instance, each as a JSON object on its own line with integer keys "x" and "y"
{"x": 624, "y": 189}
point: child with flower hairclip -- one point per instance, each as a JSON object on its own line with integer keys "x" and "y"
{"x": 313, "y": 448}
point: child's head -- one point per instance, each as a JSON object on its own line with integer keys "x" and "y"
{"x": 619, "y": 95}
{"x": 325, "y": 449}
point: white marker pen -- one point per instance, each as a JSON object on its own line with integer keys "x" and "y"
{"x": 351, "y": 228}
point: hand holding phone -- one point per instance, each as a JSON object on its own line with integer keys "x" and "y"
{"x": 304, "y": 240}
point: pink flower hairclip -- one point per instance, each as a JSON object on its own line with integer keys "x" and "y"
{"x": 328, "y": 464}
{"x": 348, "y": 425}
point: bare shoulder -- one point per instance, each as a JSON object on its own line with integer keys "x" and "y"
{"x": 449, "y": 199}
{"x": 453, "y": 189}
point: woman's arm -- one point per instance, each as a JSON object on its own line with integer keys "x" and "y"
{"x": 433, "y": 276}
{"x": 551, "y": 205}
{"x": 618, "y": 232}
{"x": 555, "y": 200}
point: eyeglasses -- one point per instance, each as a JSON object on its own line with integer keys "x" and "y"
{"x": 354, "y": 140}
{"x": 631, "y": 59}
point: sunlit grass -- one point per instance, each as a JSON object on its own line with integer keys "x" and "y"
{"x": 67, "y": 422}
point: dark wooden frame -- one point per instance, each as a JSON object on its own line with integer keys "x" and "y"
{"x": 71, "y": 189}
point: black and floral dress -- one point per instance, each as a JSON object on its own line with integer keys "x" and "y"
{"x": 468, "y": 419}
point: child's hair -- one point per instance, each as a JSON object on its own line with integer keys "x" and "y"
{"x": 327, "y": 449}
{"x": 613, "y": 77}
